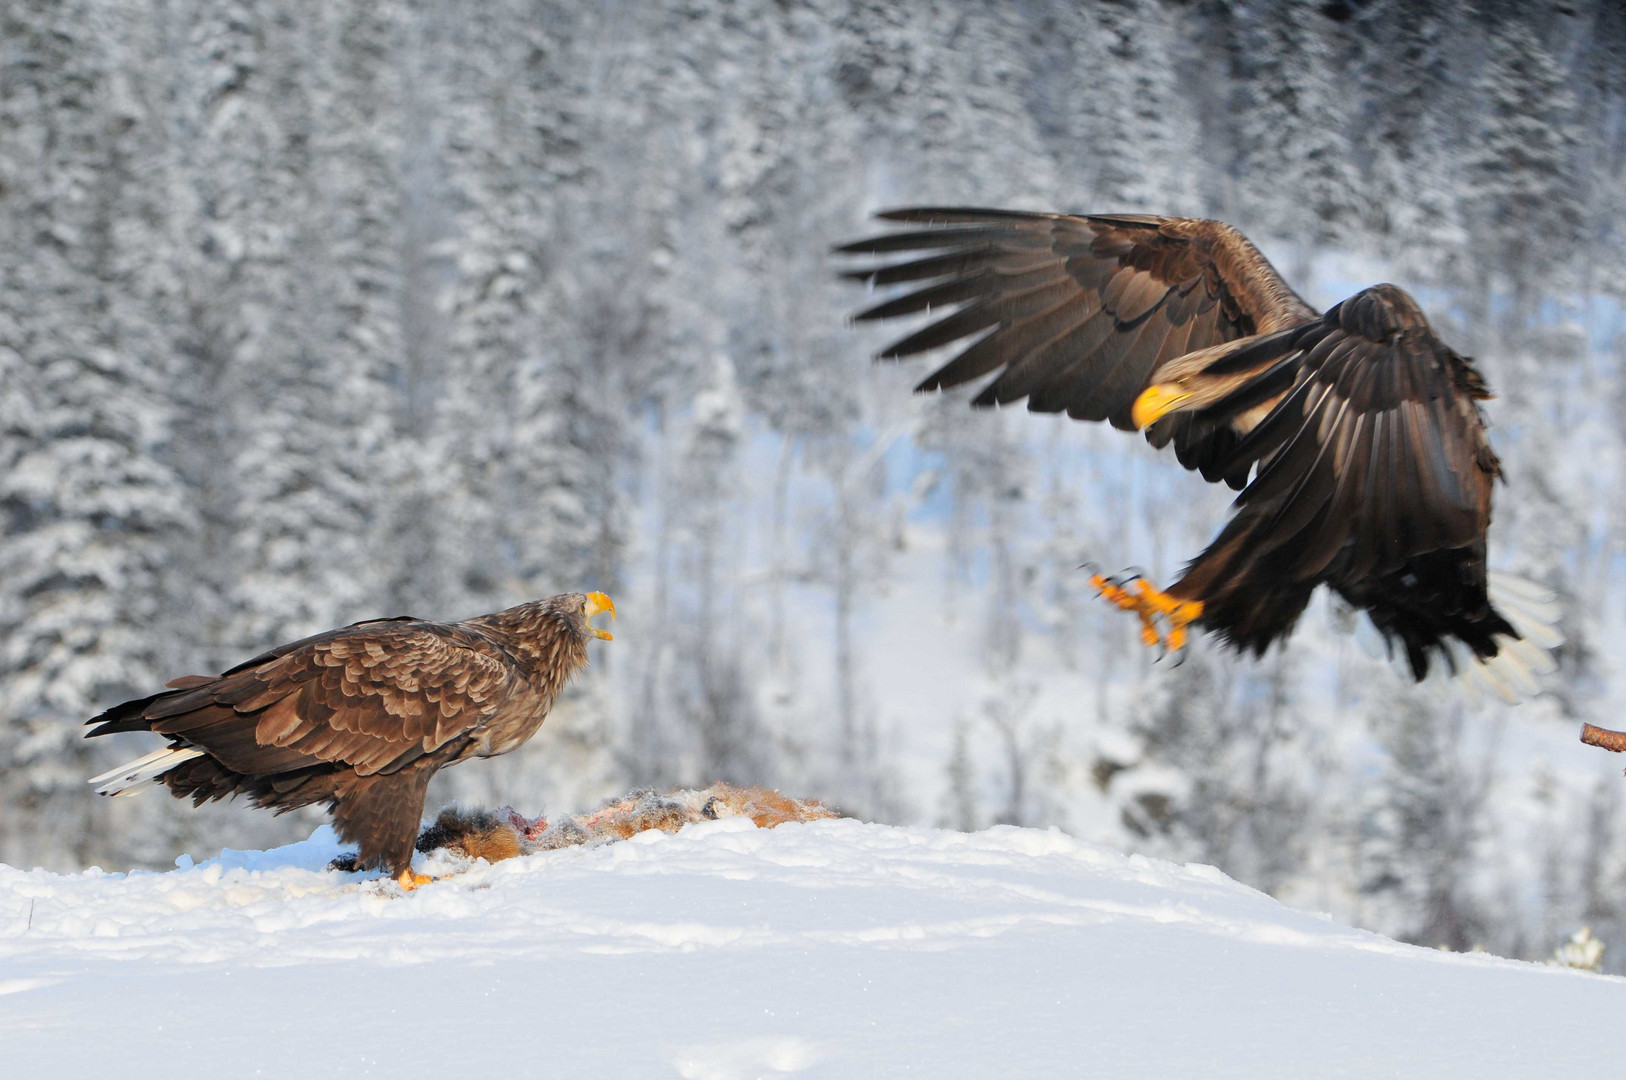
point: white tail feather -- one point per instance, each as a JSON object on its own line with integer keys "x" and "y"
{"x": 156, "y": 755}
{"x": 1371, "y": 641}
{"x": 1513, "y": 674}
{"x": 1533, "y": 611}
{"x": 131, "y": 777}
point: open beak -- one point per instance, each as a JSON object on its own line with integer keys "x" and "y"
{"x": 1156, "y": 402}
{"x": 597, "y": 602}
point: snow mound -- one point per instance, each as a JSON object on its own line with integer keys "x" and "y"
{"x": 828, "y": 949}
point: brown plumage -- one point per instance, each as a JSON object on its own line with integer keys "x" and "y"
{"x": 1355, "y": 437}
{"x": 361, "y": 717}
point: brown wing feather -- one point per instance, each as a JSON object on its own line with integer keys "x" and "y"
{"x": 1374, "y": 476}
{"x": 1380, "y": 428}
{"x": 1075, "y": 313}
{"x": 374, "y": 697}
{"x": 381, "y": 697}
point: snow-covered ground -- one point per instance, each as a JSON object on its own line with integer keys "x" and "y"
{"x": 832, "y": 949}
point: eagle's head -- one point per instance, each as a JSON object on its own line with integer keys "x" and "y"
{"x": 575, "y": 609}
{"x": 553, "y": 633}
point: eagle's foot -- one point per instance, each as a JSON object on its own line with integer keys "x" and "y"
{"x": 409, "y": 880}
{"x": 1163, "y": 618}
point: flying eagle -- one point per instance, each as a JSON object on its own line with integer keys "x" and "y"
{"x": 361, "y": 717}
{"x": 1355, "y": 437}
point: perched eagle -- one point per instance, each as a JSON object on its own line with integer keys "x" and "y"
{"x": 360, "y": 718}
{"x": 1355, "y": 436}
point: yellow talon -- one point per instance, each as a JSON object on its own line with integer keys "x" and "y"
{"x": 1157, "y": 610}
{"x": 1114, "y": 593}
{"x": 409, "y": 881}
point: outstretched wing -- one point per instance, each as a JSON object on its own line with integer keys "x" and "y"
{"x": 1373, "y": 474}
{"x": 374, "y": 696}
{"x": 1378, "y": 454}
{"x": 1075, "y": 313}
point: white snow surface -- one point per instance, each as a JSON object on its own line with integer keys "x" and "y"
{"x": 830, "y": 949}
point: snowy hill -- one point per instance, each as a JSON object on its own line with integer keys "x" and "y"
{"x": 832, "y": 949}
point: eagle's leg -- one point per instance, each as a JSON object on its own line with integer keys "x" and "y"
{"x": 1163, "y": 617}
{"x": 381, "y": 814}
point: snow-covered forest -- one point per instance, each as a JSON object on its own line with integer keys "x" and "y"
{"x": 313, "y": 312}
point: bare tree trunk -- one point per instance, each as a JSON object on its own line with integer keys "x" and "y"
{"x": 644, "y": 737}
{"x": 777, "y": 570}
{"x": 846, "y": 583}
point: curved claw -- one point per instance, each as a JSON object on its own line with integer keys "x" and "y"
{"x": 1163, "y": 618}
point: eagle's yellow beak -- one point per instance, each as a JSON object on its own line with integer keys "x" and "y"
{"x": 597, "y": 602}
{"x": 1156, "y": 402}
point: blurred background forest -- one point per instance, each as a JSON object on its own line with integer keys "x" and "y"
{"x": 320, "y": 311}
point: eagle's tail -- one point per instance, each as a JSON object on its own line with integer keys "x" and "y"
{"x": 1533, "y": 613}
{"x": 1522, "y": 656}
{"x": 1512, "y": 674}
{"x": 132, "y": 777}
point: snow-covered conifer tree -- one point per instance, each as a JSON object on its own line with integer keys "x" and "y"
{"x": 1427, "y": 823}
{"x": 91, "y": 516}
{"x": 1406, "y": 138}
{"x": 311, "y": 442}
{"x": 1297, "y": 176}
{"x": 1521, "y": 198}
